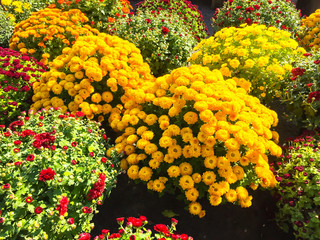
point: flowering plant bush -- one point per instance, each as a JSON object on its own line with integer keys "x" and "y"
{"x": 6, "y": 26}
{"x": 310, "y": 31}
{"x": 301, "y": 93}
{"x": 17, "y": 74}
{"x": 163, "y": 39}
{"x": 101, "y": 13}
{"x": 46, "y": 32}
{"x": 92, "y": 77}
{"x": 135, "y": 229}
{"x": 193, "y": 134}
{"x": 54, "y": 173}
{"x": 190, "y": 14}
{"x": 16, "y": 10}
{"x": 278, "y": 13}
{"x": 298, "y": 172}
{"x": 259, "y": 54}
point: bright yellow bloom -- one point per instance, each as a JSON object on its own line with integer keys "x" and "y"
{"x": 192, "y": 194}
{"x": 195, "y": 208}
{"x": 145, "y": 173}
{"x": 185, "y": 168}
{"x": 186, "y": 182}
{"x": 173, "y": 171}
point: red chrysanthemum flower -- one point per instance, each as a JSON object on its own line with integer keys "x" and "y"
{"x": 98, "y": 188}
{"x": 30, "y": 157}
{"x": 313, "y": 96}
{"x": 161, "y": 228}
{"x": 38, "y": 210}
{"x": 46, "y": 174}
{"x": 17, "y": 142}
{"x": 165, "y": 30}
{"x": 63, "y": 206}
{"x": 44, "y": 140}
{"x": 71, "y": 221}
{"x": 84, "y": 236}
{"x": 29, "y": 199}
{"x": 297, "y": 71}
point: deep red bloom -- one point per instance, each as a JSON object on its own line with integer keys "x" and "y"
{"x": 143, "y": 218}
{"x": 309, "y": 84}
{"x": 165, "y": 30}
{"x": 79, "y": 114}
{"x": 105, "y": 231}
{"x": 30, "y": 157}
{"x": 132, "y": 237}
{"x": 71, "y": 221}
{"x": 317, "y": 61}
{"x": 46, "y": 174}
{"x": 29, "y": 199}
{"x": 161, "y": 228}
{"x": 6, "y": 186}
{"x": 27, "y": 132}
{"x": 84, "y": 236}
{"x": 103, "y": 159}
{"x": 7, "y": 134}
{"x": 17, "y": 163}
{"x": 85, "y": 209}
{"x": 98, "y": 188}
{"x": 136, "y": 222}
{"x": 44, "y": 140}
{"x": 91, "y": 154}
{"x": 65, "y": 148}
{"x": 15, "y": 124}
{"x": 121, "y": 219}
{"x": 16, "y": 150}
{"x": 63, "y": 206}
{"x": 38, "y": 210}
{"x": 248, "y": 21}
{"x": 297, "y": 71}
{"x": 74, "y": 162}
{"x": 313, "y": 96}
{"x": 74, "y": 144}
{"x": 114, "y": 235}
{"x": 17, "y": 142}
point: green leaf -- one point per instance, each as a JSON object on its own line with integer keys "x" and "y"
{"x": 31, "y": 208}
{"x": 169, "y": 213}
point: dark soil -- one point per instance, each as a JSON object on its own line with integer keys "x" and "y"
{"x": 226, "y": 222}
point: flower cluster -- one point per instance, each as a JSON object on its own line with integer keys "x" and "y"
{"x": 188, "y": 12}
{"x": 92, "y": 76}
{"x": 163, "y": 39}
{"x": 46, "y": 32}
{"x": 18, "y": 72}
{"x": 310, "y": 31}
{"x": 298, "y": 174}
{"x": 102, "y": 14}
{"x": 261, "y": 55}
{"x": 194, "y": 133}
{"x": 301, "y": 93}
{"x": 16, "y": 10}
{"x": 136, "y": 228}
{"x": 43, "y": 189}
{"x": 278, "y": 13}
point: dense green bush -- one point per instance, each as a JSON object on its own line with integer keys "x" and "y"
{"x": 54, "y": 172}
